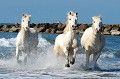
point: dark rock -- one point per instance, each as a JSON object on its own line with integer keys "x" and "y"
{"x": 5, "y": 28}
{"x": 58, "y": 28}
{"x": 83, "y": 27}
{"x": 115, "y": 27}
{"x": 52, "y": 31}
{"x": 115, "y": 30}
{"x": 40, "y": 29}
{"x": 17, "y": 25}
{"x": 59, "y": 32}
{"x": 32, "y": 25}
{"x": 107, "y": 29}
{"x": 47, "y": 31}
{"x": 61, "y": 26}
{"x": 14, "y": 29}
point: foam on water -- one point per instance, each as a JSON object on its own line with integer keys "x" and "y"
{"x": 46, "y": 65}
{"x": 7, "y": 42}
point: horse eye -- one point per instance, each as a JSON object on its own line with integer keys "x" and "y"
{"x": 23, "y": 20}
{"x": 69, "y": 19}
{"x": 25, "y": 16}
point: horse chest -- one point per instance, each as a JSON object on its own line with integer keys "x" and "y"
{"x": 96, "y": 44}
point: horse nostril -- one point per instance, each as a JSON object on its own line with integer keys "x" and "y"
{"x": 27, "y": 28}
{"x": 72, "y": 25}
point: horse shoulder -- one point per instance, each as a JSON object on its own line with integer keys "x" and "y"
{"x": 19, "y": 38}
{"x": 88, "y": 31}
{"x": 59, "y": 37}
{"x": 87, "y": 35}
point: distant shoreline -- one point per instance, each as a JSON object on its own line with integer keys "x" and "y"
{"x": 57, "y": 28}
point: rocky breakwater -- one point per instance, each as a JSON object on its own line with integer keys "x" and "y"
{"x": 108, "y": 29}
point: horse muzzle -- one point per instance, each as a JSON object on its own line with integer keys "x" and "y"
{"x": 26, "y": 28}
{"x": 74, "y": 27}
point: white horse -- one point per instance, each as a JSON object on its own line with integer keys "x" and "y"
{"x": 27, "y": 39}
{"x": 93, "y": 41}
{"x": 66, "y": 44}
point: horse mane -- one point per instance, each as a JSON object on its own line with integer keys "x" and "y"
{"x": 99, "y": 16}
{"x": 66, "y": 28}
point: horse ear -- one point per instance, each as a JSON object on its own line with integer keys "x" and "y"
{"x": 70, "y": 13}
{"x": 100, "y": 17}
{"x": 76, "y": 13}
{"x": 23, "y": 14}
{"x": 93, "y": 18}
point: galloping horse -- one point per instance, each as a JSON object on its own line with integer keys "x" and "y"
{"x": 93, "y": 41}
{"x": 66, "y": 44}
{"x": 27, "y": 39}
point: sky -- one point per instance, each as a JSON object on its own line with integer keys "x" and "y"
{"x": 52, "y": 11}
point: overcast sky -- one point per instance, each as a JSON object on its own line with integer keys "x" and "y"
{"x": 56, "y": 10}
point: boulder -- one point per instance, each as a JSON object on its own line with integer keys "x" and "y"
{"x": 115, "y": 32}
{"x": 107, "y": 29}
{"x": 5, "y": 28}
{"x": 40, "y": 29}
{"x": 14, "y": 29}
{"x": 115, "y": 27}
{"x": 59, "y": 32}
{"x": 61, "y": 26}
{"x": 83, "y": 27}
{"x": 47, "y": 31}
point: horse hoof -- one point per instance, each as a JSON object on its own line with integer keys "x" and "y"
{"x": 67, "y": 65}
{"x": 19, "y": 61}
{"x": 96, "y": 68}
{"x": 88, "y": 69}
{"x": 72, "y": 61}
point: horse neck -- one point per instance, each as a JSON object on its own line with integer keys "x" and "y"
{"x": 66, "y": 28}
{"x": 23, "y": 30}
{"x": 97, "y": 35}
{"x": 71, "y": 32}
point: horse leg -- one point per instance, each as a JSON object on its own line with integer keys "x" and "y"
{"x": 56, "y": 50}
{"x": 26, "y": 55}
{"x": 95, "y": 58}
{"x": 87, "y": 60}
{"x": 74, "y": 56}
{"x": 18, "y": 54}
{"x": 67, "y": 57}
{"x": 34, "y": 50}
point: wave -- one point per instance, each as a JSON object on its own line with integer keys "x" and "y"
{"x": 11, "y": 42}
{"x": 46, "y": 59}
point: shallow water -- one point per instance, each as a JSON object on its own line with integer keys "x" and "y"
{"x": 46, "y": 66}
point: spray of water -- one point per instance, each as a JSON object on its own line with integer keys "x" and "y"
{"x": 45, "y": 59}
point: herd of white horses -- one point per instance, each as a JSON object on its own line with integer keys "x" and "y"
{"x": 66, "y": 44}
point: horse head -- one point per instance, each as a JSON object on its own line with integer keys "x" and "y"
{"x": 72, "y": 19}
{"x": 25, "y": 21}
{"x": 97, "y": 24}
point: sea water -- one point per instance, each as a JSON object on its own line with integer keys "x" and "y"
{"x": 46, "y": 66}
